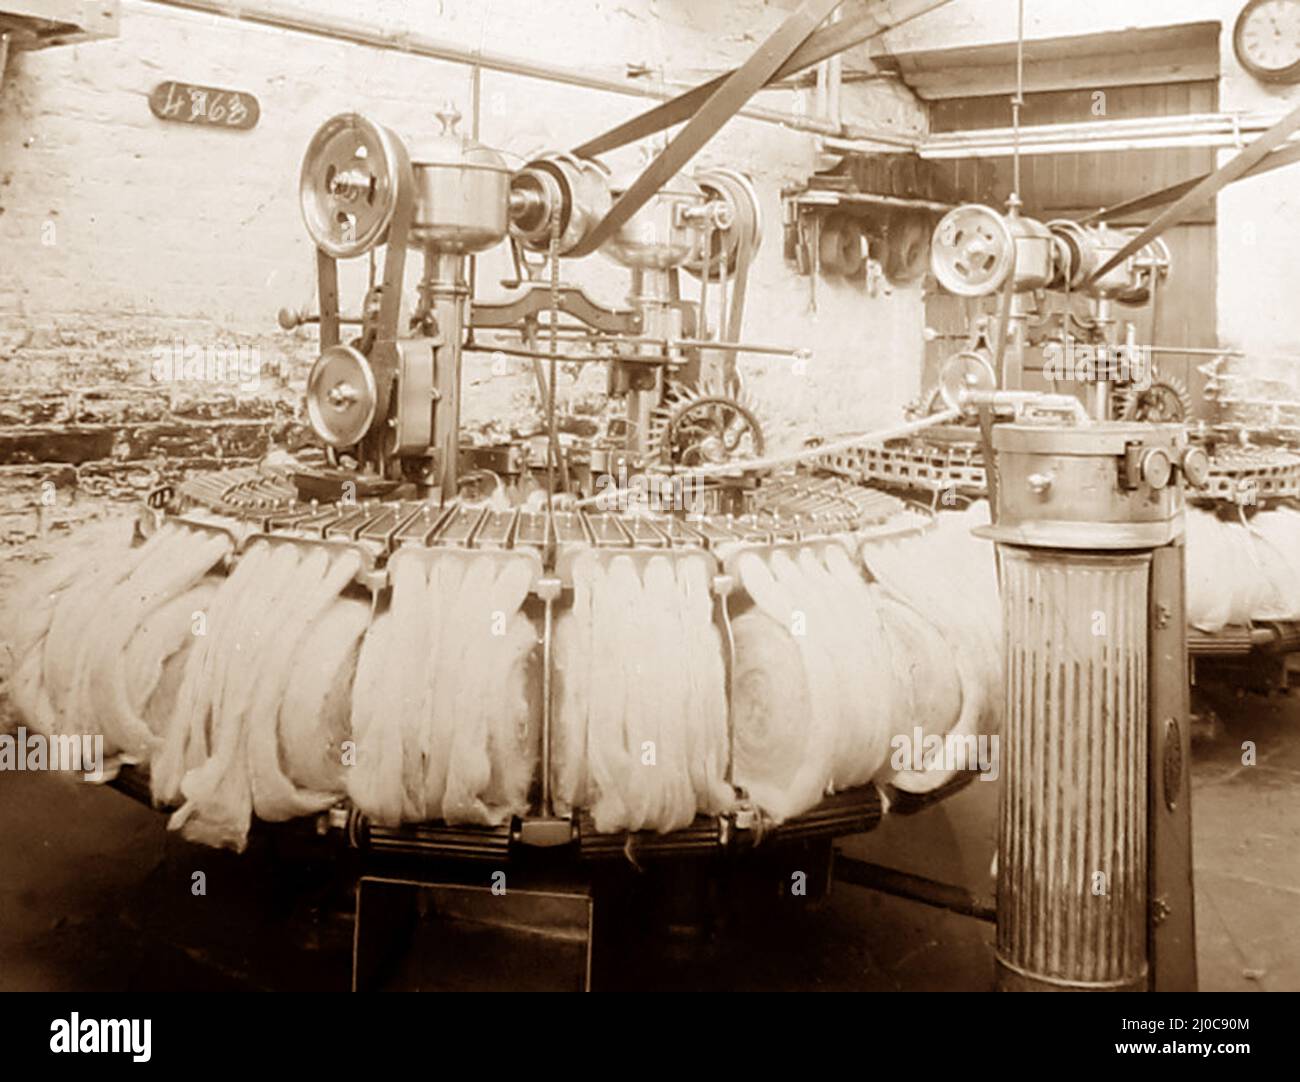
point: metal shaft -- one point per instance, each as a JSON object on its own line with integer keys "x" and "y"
{"x": 444, "y": 291}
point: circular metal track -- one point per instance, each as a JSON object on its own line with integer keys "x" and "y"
{"x": 267, "y": 500}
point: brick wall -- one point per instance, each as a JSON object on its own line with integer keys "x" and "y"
{"x": 123, "y": 236}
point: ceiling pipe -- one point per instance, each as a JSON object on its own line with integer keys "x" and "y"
{"x": 1205, "y": 130}
{"x": 835, "y": 83}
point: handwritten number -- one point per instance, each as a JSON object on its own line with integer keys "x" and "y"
{"x": 173, "y": 104}
{"x": 204, "y": 105}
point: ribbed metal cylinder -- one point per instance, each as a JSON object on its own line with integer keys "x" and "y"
{"x": 1072, "y": 843}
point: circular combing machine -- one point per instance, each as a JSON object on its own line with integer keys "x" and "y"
{"x": 585, "y": 668}
{"x": 790, "y": 515}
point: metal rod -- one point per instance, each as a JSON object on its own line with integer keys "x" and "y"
{"x": 1185, "y": 123}
{"x": 1097, "y": 146}
{"x": 882, "y": 435}
{"x": 666, "y": 343}
{"x": 552, "y": 371}
{"x": 729, "y": 656}
{"x": 833, "y": 199}
{"x": 916, "y": 888}
{"x": 1204, "y": 130}
{"x": 835, "y": 81}
{"x": 548, "y": 692}
{"x": 1017, "y": 104}
{"x": 476, "y": 118}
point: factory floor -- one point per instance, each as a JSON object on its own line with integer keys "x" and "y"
{"x": 94, "y": 894}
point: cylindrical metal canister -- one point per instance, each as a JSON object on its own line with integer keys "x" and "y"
{"x": 662, "y": 234}
{"x": 1034, "y": 263}
{"x": 1081, "y": 511}
{"x": 462, "y": 192}
{"x": 1072, "y": 852}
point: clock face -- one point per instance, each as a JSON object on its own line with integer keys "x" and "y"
{"x": 1268, "y": 38}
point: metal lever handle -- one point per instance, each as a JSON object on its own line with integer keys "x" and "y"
{"x": 289, "y": 318}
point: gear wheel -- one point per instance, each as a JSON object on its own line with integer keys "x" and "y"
{"x": 1166, "y": 401}
{"x": 698, "y": 426}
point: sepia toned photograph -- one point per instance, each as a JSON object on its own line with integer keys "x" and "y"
{"x": 650, "y": 495}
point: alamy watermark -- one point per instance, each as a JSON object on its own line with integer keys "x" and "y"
{"x": 181, "y": 362}
{"x": 649, "y": 492}
{"x": 131, "y": 1036}
{"x": 952, "y": 752}
{"x": 36, "y": 751}
{"x": 1073, "y": 362}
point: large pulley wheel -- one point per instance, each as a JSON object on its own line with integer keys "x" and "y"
{"x": 739, "y": 197}
{"x": 973, "y": 252}
{"x": 351, "y": 174}
{"x": 341, "y": 396}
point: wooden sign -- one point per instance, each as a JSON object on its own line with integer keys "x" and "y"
{"x": 185, "y": 103}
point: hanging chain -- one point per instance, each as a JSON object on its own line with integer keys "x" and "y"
{"x": 552, "y": 440}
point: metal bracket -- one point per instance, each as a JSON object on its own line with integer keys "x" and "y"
{"x": 572, "y": 300}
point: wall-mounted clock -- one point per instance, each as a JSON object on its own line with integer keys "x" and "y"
{"x": 1267, "y": 40}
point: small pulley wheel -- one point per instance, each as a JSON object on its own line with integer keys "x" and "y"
{"x": 1149, "y": 264}
{"x": 973, "y": 252}
{"x": 736, "y": 192}
{"x": 967, "y": 371}
{"x": 341, "y": 396}
{"x": 841, "y": 246}
{"x": 909, "y": 234}
{"x": 351, "y": 174}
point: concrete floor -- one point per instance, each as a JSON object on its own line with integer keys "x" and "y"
{"x": 94, "y": 894}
